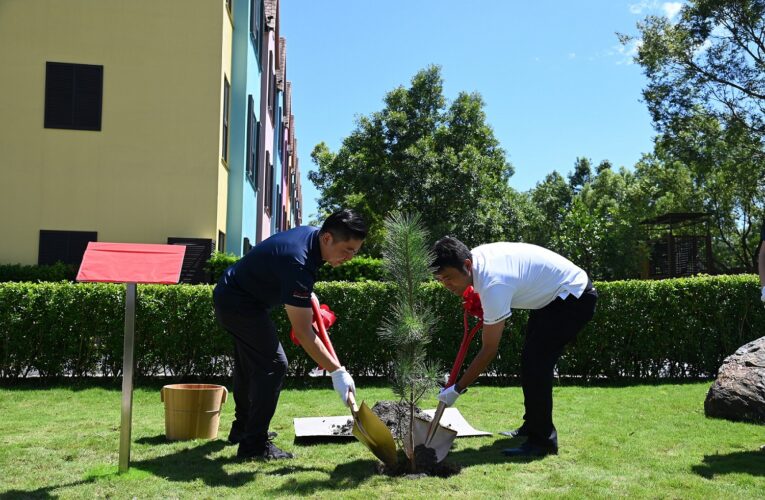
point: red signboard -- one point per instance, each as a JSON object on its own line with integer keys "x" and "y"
{"x": 131, "y": 263}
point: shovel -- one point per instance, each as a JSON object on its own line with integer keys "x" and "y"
{"x": 432, "y": 434}
{"x": 367, "y": 427}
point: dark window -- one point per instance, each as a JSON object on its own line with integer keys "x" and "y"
{"x": 272, "y": 87}
{"x": 73, "y": 95}
{"x": 278, "y": 207}
{"x": 198, "y": 252}
{"x": 253, "y": 136}
{"x": 271, "y": 84}
{"x": 256, "y": 11}
{"x": 63, "y": 246}
{"x": 226, "y": 98}
{"x": 221, "y": 241}
{"x": 268, "y": 188}
{"x": 246, "y": 246}
{"x": 281, "y": 139}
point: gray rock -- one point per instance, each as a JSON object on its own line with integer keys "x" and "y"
{"x": 739, "y": 391}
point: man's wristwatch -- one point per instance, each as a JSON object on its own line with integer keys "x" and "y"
{"x": 459, "y": 390}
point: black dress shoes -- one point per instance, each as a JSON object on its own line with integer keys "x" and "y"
{"x": 268, "y": 451}
{"x": 519, "y": 432}
{"x": 237, "y": 434}
{"x": 527, "y": 450}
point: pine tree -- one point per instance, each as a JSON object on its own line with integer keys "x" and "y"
{"x": 409, "y": 326}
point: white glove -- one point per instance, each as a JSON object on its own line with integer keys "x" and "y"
{"x": 343, "y": 382}
{"x": 449, "y": 395}
{"x": 763, "y": 294}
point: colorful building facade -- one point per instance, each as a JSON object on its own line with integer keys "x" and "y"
{"x": 139, "y": 121}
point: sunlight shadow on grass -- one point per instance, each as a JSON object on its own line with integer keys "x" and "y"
{"x": 490, "y": 454}
{"x": 344, "y": 477}
{"x": 157, "y": 440}
{"x": 740, "y": 462}
{"x": 44, "y": 492}
{"x": 352, "y": 474}
{"x": 193, "y": 463}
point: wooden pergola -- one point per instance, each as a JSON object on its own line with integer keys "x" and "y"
{"x": 680, "y": 244}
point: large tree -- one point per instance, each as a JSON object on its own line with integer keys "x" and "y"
{"x": 727, "y": 178}
{"x": 706, "y": 95}
{"x": 421, "y": 154}
{"x": 712, "y": 58}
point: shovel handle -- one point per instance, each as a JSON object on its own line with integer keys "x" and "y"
{"x": 435, "y": 423}
{"x": 322, "y": 332}
{"x": 466, "y": 338}
{"x": 352, "y": 402}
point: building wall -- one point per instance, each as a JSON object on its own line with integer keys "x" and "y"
{"x": 268, "y": 60}
{"x": 242, "y": 201}
{"x": 154, "y": 170}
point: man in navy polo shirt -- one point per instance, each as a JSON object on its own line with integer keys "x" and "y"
{"x": 280, "y": 270}
{"x": 510, "y": 276}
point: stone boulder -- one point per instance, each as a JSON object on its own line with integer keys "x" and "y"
{"x": 739, "y": 391}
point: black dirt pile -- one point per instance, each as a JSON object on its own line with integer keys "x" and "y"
{"x": 393, "y": 414}
{"x": 425, "y": 463}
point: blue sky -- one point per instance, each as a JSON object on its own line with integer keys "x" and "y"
{"x": 556, "y": 83}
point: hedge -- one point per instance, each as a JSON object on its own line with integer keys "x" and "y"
{"x": 681, "y": 328}
{"x": 54, "y": 272}
{"x": 357, "y": 269}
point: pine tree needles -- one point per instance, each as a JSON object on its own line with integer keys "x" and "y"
{"x": 410, "y": 323}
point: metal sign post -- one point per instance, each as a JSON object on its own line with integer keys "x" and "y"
{"x": 127, "y": 377}
{"x": 130, "y": 263}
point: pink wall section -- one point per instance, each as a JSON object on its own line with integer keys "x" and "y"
{"x": 266, "y": 131}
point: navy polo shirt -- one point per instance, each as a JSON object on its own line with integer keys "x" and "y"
{"x": 278, "y": 270}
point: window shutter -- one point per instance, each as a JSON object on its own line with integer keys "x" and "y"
{"x": 73, "y": 96}
{"x": 87, "y": 97}
{"x": 198, "y": 252}
{"x": 63, "y": 246}
{"x": 59, "y": 95}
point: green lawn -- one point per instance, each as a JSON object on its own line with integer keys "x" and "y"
{"x": 638, "y": 441}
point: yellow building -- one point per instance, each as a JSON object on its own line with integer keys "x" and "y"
{"x": 111, "y": 122}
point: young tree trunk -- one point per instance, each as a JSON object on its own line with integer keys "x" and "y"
{"x": 412, "y": 461}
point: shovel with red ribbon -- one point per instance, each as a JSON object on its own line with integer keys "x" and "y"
{"x": 367, "y": 427}
{"x": 322, "y": 311}
{"x": 432, "y": 434}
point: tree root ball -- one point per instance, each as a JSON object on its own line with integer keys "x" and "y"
{"x": 395, "y": 416}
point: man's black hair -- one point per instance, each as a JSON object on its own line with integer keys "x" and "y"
{"x": 450, "y": 252}
{"x": 345, "y": 225}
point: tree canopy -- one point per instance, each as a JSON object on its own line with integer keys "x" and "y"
{"x": 421, "y": 154}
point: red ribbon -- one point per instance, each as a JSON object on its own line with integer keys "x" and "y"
{"x": 471, "y": 302}
{"x": 328, "y": 318}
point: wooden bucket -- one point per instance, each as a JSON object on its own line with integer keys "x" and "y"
{"x": 192, "y": 411}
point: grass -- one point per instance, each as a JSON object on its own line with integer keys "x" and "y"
{"x": 635, "y": 441}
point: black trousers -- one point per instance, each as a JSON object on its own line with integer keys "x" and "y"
{"x": 548, "y": 331}
{"x": 260, "y": 366}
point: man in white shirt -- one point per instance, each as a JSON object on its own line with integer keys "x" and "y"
{"x": 510, "y": 276}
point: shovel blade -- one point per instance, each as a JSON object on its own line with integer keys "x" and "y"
{"x": 374, "y": 434}
{"x": 441, "y": 442}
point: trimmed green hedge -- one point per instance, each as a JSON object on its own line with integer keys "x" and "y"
{"x": 54, "y": 272}
{"x": 357, "y": 269}
{"x": 218, "y": 263}
{"x": 642, "y": 329}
